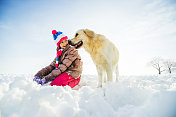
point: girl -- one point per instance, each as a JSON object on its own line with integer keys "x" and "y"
{"x": 66, "y": 67}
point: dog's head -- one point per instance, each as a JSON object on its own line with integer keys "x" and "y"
{"x": 82, "y": 36}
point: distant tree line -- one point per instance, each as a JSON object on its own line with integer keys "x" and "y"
{"x": 162, "y": 65}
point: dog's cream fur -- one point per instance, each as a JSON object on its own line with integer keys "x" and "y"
{"x": 103, "y": 52}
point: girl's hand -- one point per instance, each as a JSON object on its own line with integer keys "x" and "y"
{"x": 42, "y": 81}
{"x": 36, "y": 78}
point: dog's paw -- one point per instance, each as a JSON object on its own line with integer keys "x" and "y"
{"x": 99, "y": 85}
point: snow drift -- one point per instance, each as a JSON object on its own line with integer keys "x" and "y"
{"x": 132, "y": 96}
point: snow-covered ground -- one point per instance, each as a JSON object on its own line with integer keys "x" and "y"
{"x": 132, "y": 96}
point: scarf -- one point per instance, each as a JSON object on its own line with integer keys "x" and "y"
{"x": 59, "y": 52}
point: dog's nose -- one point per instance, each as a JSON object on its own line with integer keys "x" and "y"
{"x": 70, "y": 43}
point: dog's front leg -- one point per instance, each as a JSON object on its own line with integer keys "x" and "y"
{"x": 100, "y": 75}
{"x": 109, "y": 73}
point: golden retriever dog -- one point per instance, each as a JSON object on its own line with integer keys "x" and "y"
{"x": 103, "y": 53}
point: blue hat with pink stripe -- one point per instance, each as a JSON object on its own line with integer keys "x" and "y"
{"x": 58, "y": 37}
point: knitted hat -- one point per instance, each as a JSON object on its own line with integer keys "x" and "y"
{"x": 58, "y": 37}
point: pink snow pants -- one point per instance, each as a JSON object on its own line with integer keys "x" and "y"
{"x": 65, "y": 79}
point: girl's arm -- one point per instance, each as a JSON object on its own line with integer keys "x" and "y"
{"x": 45, "y": 71}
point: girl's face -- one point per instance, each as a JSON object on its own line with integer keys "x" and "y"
{"x": 63, "y": 44}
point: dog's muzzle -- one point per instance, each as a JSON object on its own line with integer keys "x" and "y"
{"x": 76, "y": 45}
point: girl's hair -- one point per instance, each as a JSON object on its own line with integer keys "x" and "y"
{"x": 58, "y": 48}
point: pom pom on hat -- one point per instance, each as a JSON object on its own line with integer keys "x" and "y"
{"x": 58, "y": 37}
{"x": 54, "y": 32}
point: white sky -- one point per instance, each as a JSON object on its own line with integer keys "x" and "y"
{"x": 140, "y": 29}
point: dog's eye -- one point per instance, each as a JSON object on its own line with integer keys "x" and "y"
{"x": 76, "y": 35}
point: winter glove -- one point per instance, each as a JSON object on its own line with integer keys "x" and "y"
{"x": 36, "y": 79}
{"x": 42, "y": 81}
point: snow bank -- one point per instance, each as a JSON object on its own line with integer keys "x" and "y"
{"x": 132, "y": 96}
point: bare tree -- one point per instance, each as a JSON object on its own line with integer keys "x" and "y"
{"x": 169, "y": 64}
{"x": 157, "y": 63}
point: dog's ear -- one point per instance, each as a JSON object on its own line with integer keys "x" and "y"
{"x": 89, "y": 33}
